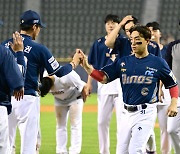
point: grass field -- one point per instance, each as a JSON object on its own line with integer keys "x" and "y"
{"x": 90, "y": 136}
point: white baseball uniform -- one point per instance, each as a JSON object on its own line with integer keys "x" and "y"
{"x": 68, "y": 102}
{"x": 109, "y": 97}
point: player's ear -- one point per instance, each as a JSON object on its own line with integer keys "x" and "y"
{"x": 148, "y": 40}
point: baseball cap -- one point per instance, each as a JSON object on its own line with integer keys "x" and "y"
{"x": 155, "y": 25}
{"x": 1, "y": 22}
{"x": 31, "y": 17}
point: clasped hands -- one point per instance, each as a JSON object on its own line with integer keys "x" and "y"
{"x": 80, "y": 58}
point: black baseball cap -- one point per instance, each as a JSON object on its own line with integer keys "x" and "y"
{"x": 1, "y": 22}
{"x": 31, "y": 17}
{"x": 155, "y": 25}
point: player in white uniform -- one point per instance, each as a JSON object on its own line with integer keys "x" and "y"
{"x": 68, "y": 93}
{"x": 109, "y": 95}
{"x": 173, "y": 125}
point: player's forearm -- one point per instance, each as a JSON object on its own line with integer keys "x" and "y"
{"x": 96, "y": 74}
{"x": 87, "y": 67}
{"x": 89, "y": 81}
{"x": 111, "y": 38}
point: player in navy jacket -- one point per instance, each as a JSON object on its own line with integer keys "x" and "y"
{"x": 11, "y": 82}
{"x": 139, "y": 75}
{"x": 121, "y": 44}
{"x": 38, "y": 57}
{"x": 109, "y": 95}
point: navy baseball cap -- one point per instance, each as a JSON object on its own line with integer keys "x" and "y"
{"x": 31, "y": 17}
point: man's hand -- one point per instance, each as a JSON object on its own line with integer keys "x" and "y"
{"x": 172, "y": 109}
{"x": 125, "y": 19}
{"x": 17, "y": 44}
{"x": 84, "y": 93}
{"x": 78, "y": 56}
{"x": 18, "y": 94}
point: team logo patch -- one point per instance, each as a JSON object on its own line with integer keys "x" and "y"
{"x": 144, "y": 91}
{"x": 122, "y": 64}
{"x": 54, "y": 65}
{"x": 123, "y": 70}
{"x": 50, "y": 60}
{"x": 173, "y": 77}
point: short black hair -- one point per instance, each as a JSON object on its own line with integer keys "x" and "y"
{"x": 134, "y": 20}
{"x": 111, "y": 17}
{"x": 27, "y": 27}
{"x": 144, "y": 31}
{"x": 155, "y": 25}
{"x": 45, "y": 86}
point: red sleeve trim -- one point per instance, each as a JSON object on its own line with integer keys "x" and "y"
{"x": 97, "y": 75}
{"x": 174, "y": 92}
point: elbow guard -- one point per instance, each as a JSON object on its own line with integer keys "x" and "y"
{"x": 97, "y": 75}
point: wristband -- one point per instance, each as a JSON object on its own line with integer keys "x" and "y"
{"x": 97, "y": 75}
{"x": 174, "y": 92}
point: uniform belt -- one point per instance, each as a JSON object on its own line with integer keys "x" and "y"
{"x": 135, "y": 108}
{"x": 78, "y": 97}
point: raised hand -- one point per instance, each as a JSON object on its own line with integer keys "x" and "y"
{"x": 17, "y": 44}
{"x": 125, "y": 19}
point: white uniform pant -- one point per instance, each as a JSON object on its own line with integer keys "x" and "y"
{"x": 75, "y": 115}
{"x": 136, "y": 130}
{"x": 25, "y": 114}
{"x": 106, "y": 104}
{"x": 173, "y": 129}
{"x": 4, "y": 134}
{"x": 165, "y": 138}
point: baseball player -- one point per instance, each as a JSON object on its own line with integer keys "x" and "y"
{"x": 25, "y": 114}
{"x": 173, "y": 125}
{"x": 139, "y": 74}
{"x": 68, "y": 93}
{"x": 11, "y": 81}
{"x": 165, "y": 101}
{"x": 109, "y": 95}
{"x": 121, "y": 45}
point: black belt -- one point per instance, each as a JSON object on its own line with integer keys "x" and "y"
{"x": 79, "y": 97}
{"x": 135, "y": 108}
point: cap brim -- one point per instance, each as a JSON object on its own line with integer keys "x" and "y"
{"x": 1, "y": 22}
{"x": 43, "y": 25}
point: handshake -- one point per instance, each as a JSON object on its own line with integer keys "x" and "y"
{"x": 80, "y": 58}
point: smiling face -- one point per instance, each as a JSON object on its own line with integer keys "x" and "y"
{"x": 138, "y": 44}
{"x": 155, "y": 34}
{"x": 110, "y": 25}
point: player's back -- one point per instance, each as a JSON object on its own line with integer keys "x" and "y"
{"x": 38, "y": 58}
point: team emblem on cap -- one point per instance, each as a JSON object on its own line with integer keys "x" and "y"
{"x": 36, "y": 21}
{"x": 22, "y": 21}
